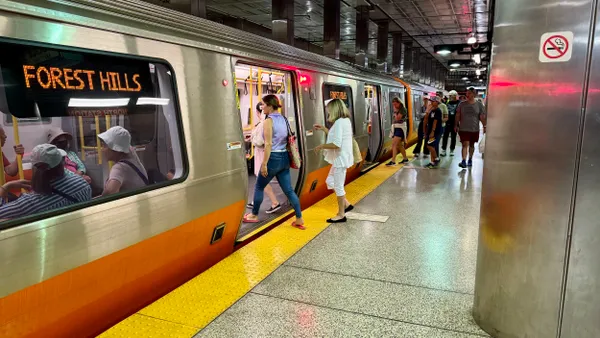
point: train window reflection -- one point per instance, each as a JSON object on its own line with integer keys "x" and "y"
{"x": 338, "y": 91}
{"x": 113, "y": 120}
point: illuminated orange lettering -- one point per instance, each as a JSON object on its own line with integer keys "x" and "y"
{"x": 76, "y": 77}
{"x": 68, "y": 78}
{"x": 104, "y": 80}
{"x": 127, "y": 84}
{"x": 89, "y": 74}
{"x": 56, "y": 74}
{"x": 28, "y": 76}
{"x": 119, "y": 83}
{"x": 139, "y": 86}
{"x": 40, "y": 80}
{"x": 113, "y": 77}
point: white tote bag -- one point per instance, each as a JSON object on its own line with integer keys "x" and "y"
{"x": 257, "y": 135}
{"x": 482, "y": 144}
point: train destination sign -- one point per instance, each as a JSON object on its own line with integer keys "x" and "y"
{"x": 43, "y": 82}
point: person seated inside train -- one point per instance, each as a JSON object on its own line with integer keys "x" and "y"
{"x": 62, "y": 140}
{"x": 127, "y": 172}
{"x": 10, "y": 168}
{"x": 50, "y": 187}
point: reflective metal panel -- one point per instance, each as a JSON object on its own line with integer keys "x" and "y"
{"x": 530, "y": 159}
{"x": 582, "y": 298}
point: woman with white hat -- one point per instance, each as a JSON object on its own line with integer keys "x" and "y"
{"x": 62, "y": 140}
{"x": 51, "y": 188}
{"x": 127, "y": 172}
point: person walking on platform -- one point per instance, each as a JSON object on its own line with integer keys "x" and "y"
{"x": 421, "y": 141}
{"x": 449, "y": 131}
{"x": 276, "y": 161}
{"x": 433, "y": 130}
{"x": 444, "y": 109}
{"x": 398, "y": 131}
{"x": 339, "y": 152}
{"x": 468, "y": 115}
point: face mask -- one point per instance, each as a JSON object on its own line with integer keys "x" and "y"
{"x": 62, "y": 144}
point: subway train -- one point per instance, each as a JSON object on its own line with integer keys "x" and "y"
{"x": 187, "y": 90}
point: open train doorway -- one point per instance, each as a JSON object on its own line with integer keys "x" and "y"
{"x": 253, "y": 83}
{"x": 374, "y": 127}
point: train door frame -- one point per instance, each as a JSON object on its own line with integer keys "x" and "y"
{"x": 375, "y": 157}
{"x": 296, "y": 124}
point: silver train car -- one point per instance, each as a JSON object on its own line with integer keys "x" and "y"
{"x": 186, "y": 89}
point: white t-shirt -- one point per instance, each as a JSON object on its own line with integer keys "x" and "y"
{"x": 340, "y": 134}
{"x": 129, "y": 178}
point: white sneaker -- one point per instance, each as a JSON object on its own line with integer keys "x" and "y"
{"x": 443, "y": 153}
{"x": 452, "y": 153}
{"x": 437, "y": 159}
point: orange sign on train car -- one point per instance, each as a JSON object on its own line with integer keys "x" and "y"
{"x": 338, "y": 95}
{"x": 79, "y": 79}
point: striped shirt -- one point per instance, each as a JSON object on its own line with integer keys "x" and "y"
{"x": 33, "y": 203}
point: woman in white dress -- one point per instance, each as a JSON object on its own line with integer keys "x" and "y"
{"x": 259, "y": 156}
{"x": 339, "y": 152}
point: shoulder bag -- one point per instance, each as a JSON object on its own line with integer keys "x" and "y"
{"x": 257, "y": 137}
{"x": 292, "y": 148}
{"x": 138, "y": 171}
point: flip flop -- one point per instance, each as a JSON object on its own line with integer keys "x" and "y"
{"x": 298, "y": 226}
{"x": 247, "y": 220}
{"x": 349, "y": 208}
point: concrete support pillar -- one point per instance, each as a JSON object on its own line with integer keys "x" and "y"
{"x": 362, "y": 36}
{"x": 198, "y": 8}
{"x": 331, "y": 28}
{"x": 383, "y": 28}
{"x": 283, "y": 21}
{"x": 396, "y": 53}
{"x": 408, "y": 60}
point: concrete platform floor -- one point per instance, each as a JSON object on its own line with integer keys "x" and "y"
{"x": 412, "y": 276}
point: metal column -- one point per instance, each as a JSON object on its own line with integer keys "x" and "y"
{"x": 283, "y": 21}
{"x": 198, "y": 8}
{"x": 396, "y": 54}
{"x": 537, "y": 263}
{"x": 331, "y": 28}
{"x": 362, "y": 35}
{"x": 407, "y": 64}
{"x": 383, "y": 28}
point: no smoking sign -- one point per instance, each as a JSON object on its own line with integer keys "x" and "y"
{"x": 556, "y": 47}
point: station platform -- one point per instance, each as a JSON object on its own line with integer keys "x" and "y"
{"x": 402, "y": 266}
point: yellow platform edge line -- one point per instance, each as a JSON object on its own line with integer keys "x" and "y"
{"x": 202, "y": 299}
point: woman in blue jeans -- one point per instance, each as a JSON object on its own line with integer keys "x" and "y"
{"x": 276, "y": 162}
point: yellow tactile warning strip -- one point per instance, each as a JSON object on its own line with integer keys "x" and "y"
{"x": 189, "y": 308}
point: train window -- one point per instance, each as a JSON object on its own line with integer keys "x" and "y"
{"x": 80, "y": 125}
{"x": 338, "y": 91}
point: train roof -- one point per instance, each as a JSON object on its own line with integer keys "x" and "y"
{"x": 143, "y": 19}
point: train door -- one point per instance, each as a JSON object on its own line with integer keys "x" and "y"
{"x": 252, "y": 84}
{"x": 372, "y": 106}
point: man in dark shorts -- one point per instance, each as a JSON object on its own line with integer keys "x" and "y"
{"x": 422, "y": 139}
{"x": 468, "y": 115}
{"x": 449, "y": 131}
{"x": 433, "y": 130}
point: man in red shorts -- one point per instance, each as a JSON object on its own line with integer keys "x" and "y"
{"x": 468, "y": 115}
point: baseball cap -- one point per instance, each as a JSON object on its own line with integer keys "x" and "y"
{"x": 453, "y": 93}
{"x": 117, "y": 138}
{"x": 47, "y": 153}
{"x": 426, "y": 96}
{"x": 434, "y": 99}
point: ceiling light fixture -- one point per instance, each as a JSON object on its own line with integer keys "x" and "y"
{"x": 477, "y": 58}
{"x": 456, "y": 64}
{"x": 465, "y": 78}
{"x": 477, "y": 72}
{"x": 444, "y": 52}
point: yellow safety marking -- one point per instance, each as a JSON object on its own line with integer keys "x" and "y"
{"x": 148, "y": 327}
{"x": 199, "y": 301}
